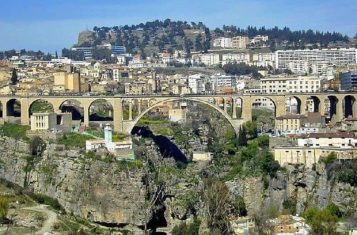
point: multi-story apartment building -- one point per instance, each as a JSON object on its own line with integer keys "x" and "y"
{"x": 210, "y": 59}
{"x": 235, "y": 58}
{"x": 263, "y": 59}
{"x": 273, "y": 85}
{"x": 87, "y": 51}
{"x": 305, "y": 61}
{"x": 240, "y": 42}
{"x": 223, "y": 81}
{"x": 197, "y": 84}
{"x": 349, "y": 81}
{"x": 222, "y": 42}
{"x": 259, "y": 38}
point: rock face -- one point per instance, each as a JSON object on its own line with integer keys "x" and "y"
{"x": 97, "y": 190}
{"x": 308, "y": 187}
{"x": 104, "y": 191}
{"x": 86, "y": 37}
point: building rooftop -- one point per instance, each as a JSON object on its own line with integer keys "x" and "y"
{"x": 291, "y": 116}
{"x": 329, "y": 135}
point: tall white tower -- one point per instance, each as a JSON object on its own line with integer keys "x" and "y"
{"x": 108, "y": 132}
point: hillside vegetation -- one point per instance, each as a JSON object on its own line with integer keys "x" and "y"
{"x": 156, "y": 36}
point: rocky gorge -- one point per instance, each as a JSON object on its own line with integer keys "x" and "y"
{"x": 119, "y": 194}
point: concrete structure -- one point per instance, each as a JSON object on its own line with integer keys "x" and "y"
{"x": 51, "y": 122}
{"x": 144, "y": 103}
{"x": 235, "y": 58}
{"x": 310, "y": 155}
{"x": 306, "y": 61}
{"x": 240, "y": 42}
{"x": 87, "y": 51}
{"x": 289, "y": 122}
{"x": 222, "y": 42}
{"x": 122, "y": 149}
{"x": 67, "y": 82}
{"x": 334, "y": 139}
{"x": 201, "y": 156}
{"x": 349, "y": 81}
{"x": 299, "y": 84}
{"x": 210, "y": 59}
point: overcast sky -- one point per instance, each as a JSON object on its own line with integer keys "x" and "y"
{"x": 50, "y": 25}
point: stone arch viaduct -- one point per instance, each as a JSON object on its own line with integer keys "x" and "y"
{"x": 341, "y": 105}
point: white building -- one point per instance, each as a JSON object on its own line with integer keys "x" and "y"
{"x": 301, "y": 84}
{"x": 259, "y": 38}
{"x": 123, "y": 148}
{"x": 222, "y": 42}
{"x": 210, "y": 59}
{"x": 303, "y": 61}
{"x": 263, "y": 59}
{"x": 235, "y": 58}
{"x": 334, "y": 139}
{"x": 196, "y": 83}
{"x": 223, "y": 81}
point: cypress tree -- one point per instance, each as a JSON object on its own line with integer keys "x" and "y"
{"x": 14, "y": 77}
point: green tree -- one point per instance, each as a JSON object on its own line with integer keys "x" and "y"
{"x": 14, "y": 77}
{"x": 251, "y": 129}
{"x": 242, "y": 136}
{"x": 322, "y": 222}
{"x": 216, "y": 198}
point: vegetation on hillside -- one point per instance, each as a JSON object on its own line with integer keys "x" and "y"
{"x": 242, "y": 69}
{"x": 156, "y": 36}
{"x": 323, "y": 221}
{"x": 15, "y": 131}
{"x": 74, "y": 140}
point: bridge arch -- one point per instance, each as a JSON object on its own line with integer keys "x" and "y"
{"x": 264, "y": 102}
{"x": 315, "y": 104}
{"x": 294, "y": 105}
{"x": 334, "y": 104}
{"x": 13, "y": 109}
{"x": 34, "y": 107}
{"x": 103, "y": 113}
{"x": 349, "y": 106}
{"x": 75, "y": 107}
{"x": 234, "y": 123}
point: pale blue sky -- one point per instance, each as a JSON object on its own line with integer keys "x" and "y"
{"x": 50, "y": 25}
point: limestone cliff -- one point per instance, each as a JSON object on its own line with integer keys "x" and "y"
{"x": 94, "y": 189}
{"x": 104, "y": 191}
{"x": 305, "y": 186}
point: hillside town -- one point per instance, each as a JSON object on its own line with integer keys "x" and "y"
{"x": 231, "y": 96}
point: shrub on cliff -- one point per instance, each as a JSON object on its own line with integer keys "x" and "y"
{"x": 187, "y": 228}
{"x": 321, "y": 221}
{"x": 329, "y": 158}
{"x": 4, "y": 208}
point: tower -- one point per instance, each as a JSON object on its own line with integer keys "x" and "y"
{"x": 108, "y": 134}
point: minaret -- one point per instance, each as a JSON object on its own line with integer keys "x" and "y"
{"x": 108, "y": 134}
